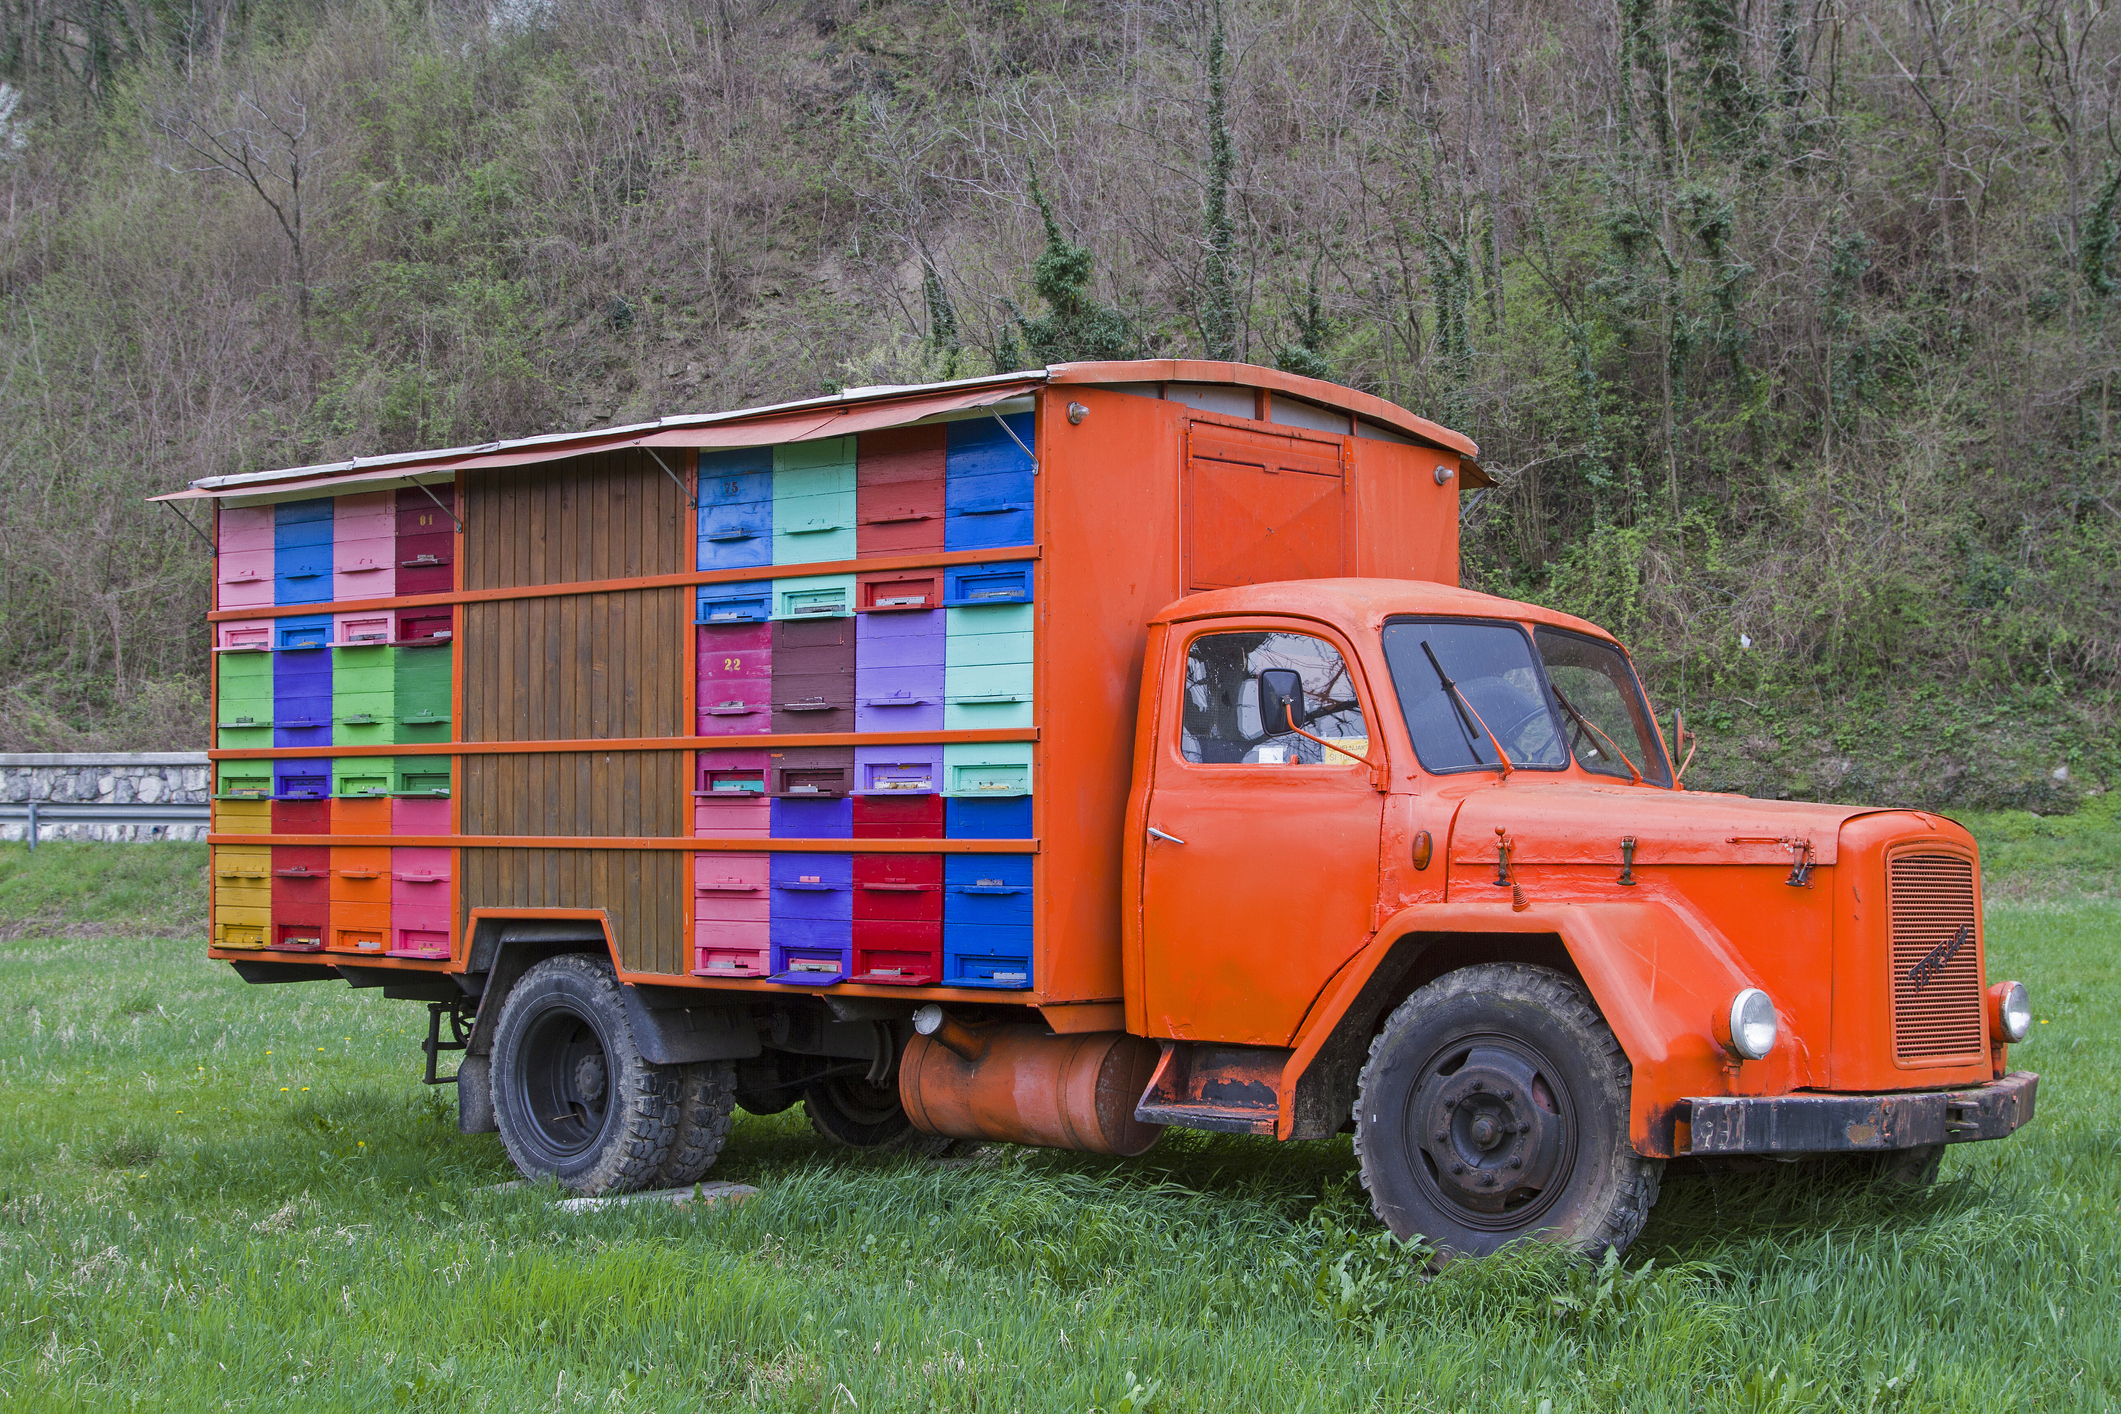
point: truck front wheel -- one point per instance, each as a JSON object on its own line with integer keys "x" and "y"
{"x": 573, "y": 1097}
{"x": 1495, "y": 1107}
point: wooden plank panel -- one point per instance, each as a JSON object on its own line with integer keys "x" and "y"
{"x": 638, "y": 889}
{"x": 617, "y": 793}
{"x": 552, "y": 700}
{"x": 610, "y": 516}
{"x": 578, "y": 668}
{"x": 598, "y": 666}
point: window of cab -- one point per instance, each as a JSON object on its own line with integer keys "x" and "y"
{"x": 1220, "y": 724}
{"x": 1547, "y": 699}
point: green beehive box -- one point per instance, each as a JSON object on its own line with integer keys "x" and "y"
{"x": 243, "y": 780}
{"x": 244, "y": 718}
{"x": 421, "y": 691}
{"x": 420, "y": 776}
{"x": 814, "y": 502}
{"x": 361, "y": 777}
{"x": 362, "y": 718}
{"x": 244, "y": 674}
{"x": 976, "y": 770}
{"x": 364, "y": 668}
{"x": 244, "y": 723}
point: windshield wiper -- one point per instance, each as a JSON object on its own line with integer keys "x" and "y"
{"x": 1463, "y": 708}
{"x": 1585, "y": 724}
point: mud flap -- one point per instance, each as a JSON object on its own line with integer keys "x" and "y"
{"x": 475, "y": 1096}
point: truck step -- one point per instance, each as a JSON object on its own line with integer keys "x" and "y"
{"x": 1221, "y": 1088}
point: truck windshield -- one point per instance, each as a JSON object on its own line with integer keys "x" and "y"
{"x": 1568, "y": 697}
{"x": 1606, "y": 723}
{"x": 1459, "y": 681}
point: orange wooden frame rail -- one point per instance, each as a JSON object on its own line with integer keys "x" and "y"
{"x": 883, "y": 564}
{"x": 701, "y": 844}
{"x": 763, "y": 741}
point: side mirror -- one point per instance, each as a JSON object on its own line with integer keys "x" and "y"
{"x": 1682, "y": 743}
{"x": 1281, "y": 697}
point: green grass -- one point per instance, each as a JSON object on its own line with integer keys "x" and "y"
{"x": 218, "y": 1196}
{"x": 2029, "y": 857}
{"x": 82, "y": 890}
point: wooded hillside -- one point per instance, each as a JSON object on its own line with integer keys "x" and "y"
{"x": 1788, "y": 328}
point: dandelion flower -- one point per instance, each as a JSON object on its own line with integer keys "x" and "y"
{"x": 283, "y": 1089}
{"x": 362, "y": 1142}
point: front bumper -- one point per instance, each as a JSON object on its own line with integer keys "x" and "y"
{"x": 1829, "y": 1124}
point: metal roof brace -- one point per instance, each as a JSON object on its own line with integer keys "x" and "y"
{"x": 691, "y": 500}
{"x": 438, "y": 501}
{"x": 212, "y": 549}
{"x": 989, "y": 410}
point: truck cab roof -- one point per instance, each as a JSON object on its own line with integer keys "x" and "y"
{"x": 1367, "y": 603}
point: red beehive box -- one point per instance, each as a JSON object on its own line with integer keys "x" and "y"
{"x": 898, "y": 919}
{"x": 918, "y": 817}
{"x": 902, "y": 591}
{"x": 898, "y": 491}
{"x": 301, "y": 895}
{"x": 426, "y": 625}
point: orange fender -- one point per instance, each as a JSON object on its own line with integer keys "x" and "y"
{"x": 1657, "y": 970}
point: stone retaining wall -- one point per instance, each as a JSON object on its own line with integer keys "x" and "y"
{"x": 147, "y": 777}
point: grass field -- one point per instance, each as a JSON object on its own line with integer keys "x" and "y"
{"x": 218, "y": 1196}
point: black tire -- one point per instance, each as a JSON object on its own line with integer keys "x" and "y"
{"x": 848, "y": 1110}
{"x": 573, "y": 1097}
{"x": 706, "y": 1098}
{"x": 766, "y": 1102}
{"x": 1494, "y": 1107}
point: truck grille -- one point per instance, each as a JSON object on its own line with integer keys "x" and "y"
{"x": 1936, "y": 1002}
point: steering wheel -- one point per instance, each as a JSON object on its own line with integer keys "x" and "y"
{"x": 1509, "y": 734}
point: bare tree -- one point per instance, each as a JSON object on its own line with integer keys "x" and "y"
{"x": 269, "y": 149}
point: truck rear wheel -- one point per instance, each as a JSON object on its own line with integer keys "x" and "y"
{"x": 848, "y": 1110}
{"x": 573, "y": 1097}
{"x": 1494, "y": 1107}
{"x": 706, "y": 1100}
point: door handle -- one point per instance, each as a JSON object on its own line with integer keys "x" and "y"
{"x": 1156, "y": 834}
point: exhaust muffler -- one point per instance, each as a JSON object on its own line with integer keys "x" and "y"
{"x": 1022, "y": 1084}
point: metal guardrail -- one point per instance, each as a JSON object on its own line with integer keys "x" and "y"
{"x": 41, "y": 812}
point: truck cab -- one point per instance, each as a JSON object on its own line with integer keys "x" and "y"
{"x": 1454, "y": 820}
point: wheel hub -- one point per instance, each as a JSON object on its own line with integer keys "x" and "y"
{"x": 589, "y": 1078}
{"x": 565, "y": 1077}
{"x": 1491, "y": 1130}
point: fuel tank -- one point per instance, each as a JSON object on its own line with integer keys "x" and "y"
{"x": 1022, "y": 1084}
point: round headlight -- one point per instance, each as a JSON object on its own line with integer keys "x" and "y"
{"x": 1747, "y": 1029}
{"x": 2010, "y": 1013}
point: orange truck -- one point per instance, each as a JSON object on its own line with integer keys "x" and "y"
{"x": 1052, "y": 757}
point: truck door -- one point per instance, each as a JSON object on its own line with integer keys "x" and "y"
{"x": 1260, "y": 869}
